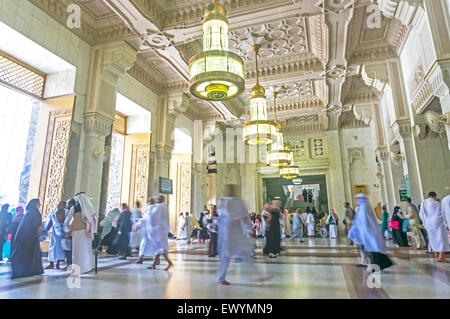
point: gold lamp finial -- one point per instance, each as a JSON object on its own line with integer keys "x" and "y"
{"x": 257, "y": 90}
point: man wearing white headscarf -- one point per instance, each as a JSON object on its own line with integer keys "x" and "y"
{"x": 159, "y": 229}
{"x": 233, "y": 222}
{"x": 434, "y": 222}
{"x": 82, "y": 222}
{"x": 366, "y": 233}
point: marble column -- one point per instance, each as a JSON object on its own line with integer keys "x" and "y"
{"x": 96, "y": 129}
{"x": 199, "y": 171}
{"x": 410, "y": 162}
{"x": 387, "y": 179}
{"x": 169, "y": 107}
{"x": 198, "y": 188}
{"x": 336, "y": 193}
{"x": 108, "y": 65}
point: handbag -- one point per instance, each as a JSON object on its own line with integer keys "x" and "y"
{"x": 405, "y": 226}
{"x": 66, "y": 244}
{"x": 77, "y": 222}
{"x": 394, "y": 224}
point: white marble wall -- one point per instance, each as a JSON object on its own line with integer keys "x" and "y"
{"x": 362, "y": 170}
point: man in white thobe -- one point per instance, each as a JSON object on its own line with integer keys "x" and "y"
{"x": 181, "y": 233}
{"x": 310, "y": 224}
{"x": 264, "y": 212}
{"x": 233, "y": 223}
{"x": 146, "y": 247}
{"x": 446, "y": 210}
{"x": 434, "y": 222}
{"x": 188, "y": 227}
{"x": 135, "y": 235}
{"x": 82, "y": 254}
{"x": 159, "y": 230}
{"x": 304, "y": 217}
{"x": 297, "y": 226}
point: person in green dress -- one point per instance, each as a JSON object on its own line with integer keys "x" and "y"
{"x": 385, "y": 223}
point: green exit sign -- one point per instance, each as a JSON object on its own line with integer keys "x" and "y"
{"x": 403, "y": 195}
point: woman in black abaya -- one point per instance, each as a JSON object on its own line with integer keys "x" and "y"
{"x": 273, "y": 234}
{"x": 398, "y": 236}
{"x": 26, "y": 255}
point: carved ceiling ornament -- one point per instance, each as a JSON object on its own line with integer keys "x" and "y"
{"x": 334, "y": 6}
{"x": 282, "y": 38}
{"x": 300, "y": 46}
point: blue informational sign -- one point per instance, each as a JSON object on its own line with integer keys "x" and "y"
{"x": 165, "y": 186}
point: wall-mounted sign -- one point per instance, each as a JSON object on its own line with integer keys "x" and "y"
{"x": 165, "y": 186}
{"x": 360, "y": 189}
{"x": 403, "y": 192}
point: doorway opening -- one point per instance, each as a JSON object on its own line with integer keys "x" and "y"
{"x": 129, "y": 162}
{"x": 180, "y": 174}
{"x": 300, "y": 192}
{"x": 19, "y": 115}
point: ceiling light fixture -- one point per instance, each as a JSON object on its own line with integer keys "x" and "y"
{"x": 278, "y": 156}
{"x": 259, "y": 130}
{"x": 289, "y": 171}
{"x": 216, "y": 73}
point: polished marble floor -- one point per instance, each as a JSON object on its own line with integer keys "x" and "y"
{"x": 317, "y": 268}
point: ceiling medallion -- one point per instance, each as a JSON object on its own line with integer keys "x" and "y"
{"x": 216, "y": 73}
{"x": 259, "y": 130}
{"x": 279, "y": 155}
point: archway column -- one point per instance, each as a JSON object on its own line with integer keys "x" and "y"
{"x": 108, "y": 65}
{"x": 387, "y": 179}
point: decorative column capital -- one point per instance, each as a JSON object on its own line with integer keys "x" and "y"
{"x": 118, "y": 57}
{"x": 382, "y": 153}
{"x": 163, "y": 152}
{"x": 402, "y": 128}
{"x": 178, "y": 103}
{"x": 96, "y": 124}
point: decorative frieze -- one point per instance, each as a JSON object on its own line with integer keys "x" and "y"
{"x": 285, "y": 66}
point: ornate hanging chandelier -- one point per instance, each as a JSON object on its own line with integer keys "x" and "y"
{"x": 216, "y": 73}
{"x": 278, "y": 156}
{"x": 289, "y": 171}
{"x": 259, "y": 130}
